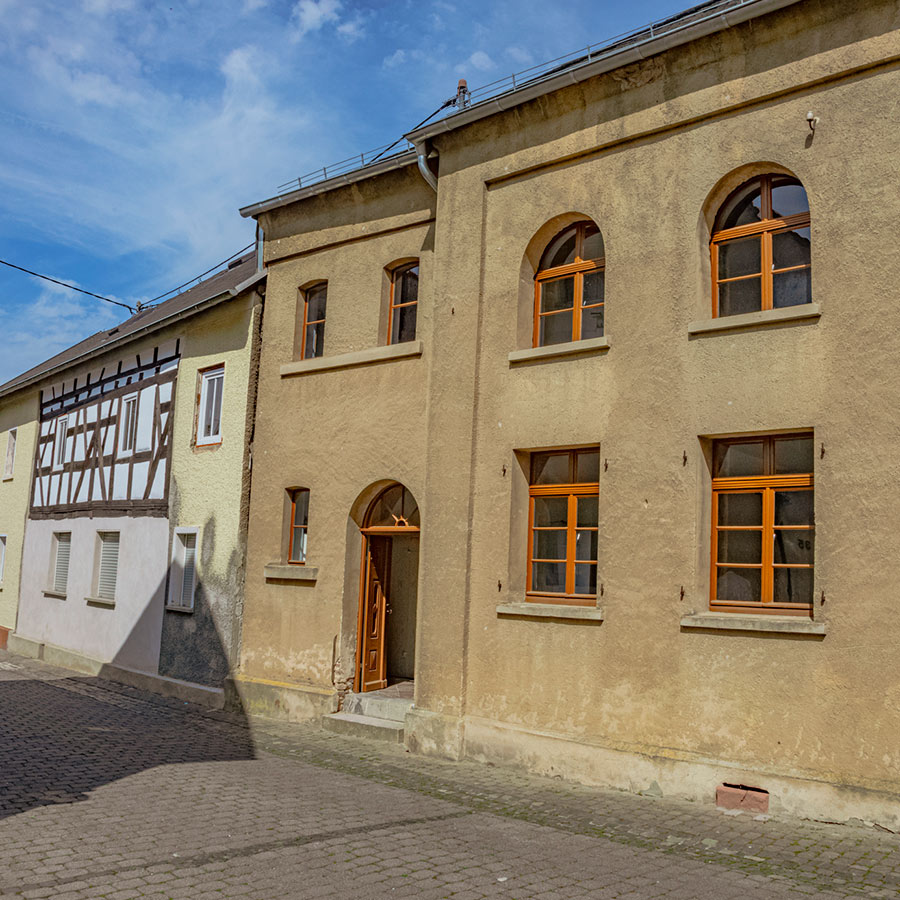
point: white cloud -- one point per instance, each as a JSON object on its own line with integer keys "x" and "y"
{"x": 251, "y": 6}
{"x": 519, "y": 56}
{"x": 311, "y": 15}
{"x": 479, "y": 61}
{"x": 397, "y": 58}
{"x": 353, "y": 30}
{"x": 104, "y": 7}
{"x": 65, "y": 319}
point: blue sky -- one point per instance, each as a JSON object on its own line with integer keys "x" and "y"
{"x": 132, "y": 131}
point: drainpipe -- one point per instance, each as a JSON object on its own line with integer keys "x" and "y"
{"x": 424, "y": 168}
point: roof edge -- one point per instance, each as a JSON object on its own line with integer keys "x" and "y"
{"x": 370, "y": 171}
{"x": 159, "y": 324}
{"x": 650, "y": 46}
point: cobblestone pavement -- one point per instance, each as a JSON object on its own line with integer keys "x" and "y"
{"x": 107, "y": 791}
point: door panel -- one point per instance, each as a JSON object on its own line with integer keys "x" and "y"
{"x": 373, "y": 670}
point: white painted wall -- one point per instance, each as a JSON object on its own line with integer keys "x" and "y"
{"x": 129, "y": 633}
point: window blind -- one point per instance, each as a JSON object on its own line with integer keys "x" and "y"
{"x": 189, "y": 557}
{"x": 61, "y": 564}
{"x": 109, "y": 565}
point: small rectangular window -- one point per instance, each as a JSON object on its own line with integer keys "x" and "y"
{"x": 2, "y": 555}
{"x": 62, "y": 429}
{"x": 108, "y": 568}
{"x": 763, "y": 525}
{"x": 183, "y": 575}
{"x": 299, "y": 518}
{"x": 10, "y": 453}
{"x": 62, "y": 546}
{"x": 128, "y": 421}
{"x": 312, "y": 333}
{"x": 404, "y": 304}
{"x": 209, "y": 421}
{"x": 563, "y": 526}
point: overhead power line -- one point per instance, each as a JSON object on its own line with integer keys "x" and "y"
{"x": 71, "y": 287}
{"x": 146, "y": 303}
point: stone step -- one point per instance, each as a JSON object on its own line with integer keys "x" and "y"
{"x": 356, "y": 725}
{"x": 377, "y": 706}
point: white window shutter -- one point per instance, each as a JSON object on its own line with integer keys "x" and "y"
{"x": 189, "y": 569}
{"x": 109, "y": 565}
{"x": 61, "y": 566}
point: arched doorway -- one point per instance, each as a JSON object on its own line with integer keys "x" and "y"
{"x": 386, "y": 631}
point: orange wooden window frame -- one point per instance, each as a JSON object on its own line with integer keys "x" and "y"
{"x": 572, "y": 492}
{"x": 579, "y": 269}
{"x": 304, "y": 295}
{"x": 395, "y": 276}
{"x": 293, "y": 526}
{"x": 766, "y": 485}
{"x": 766, "y": 229}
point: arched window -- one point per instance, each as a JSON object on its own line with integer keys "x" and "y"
{"x": 569, "y": 287}
{"x": 404, "y": 303}
{"x": 312, "y": 331}
{"x": 761, "y": 247}
{"x": 393, "y": 508}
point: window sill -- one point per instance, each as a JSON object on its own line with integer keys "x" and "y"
{"x": 750, "y": 320}
{"x": 761, "y": 623}
{"x": 188, "y": 610}
{"x": 7, "y": 477}
{"x": 550, "y": 611}
{"x": 282, "y": 572}
{"x": 100, "y": 601}
{"x": 56, "y": 595}
{"x": 208, "y": 445}
{"x": 358, "y": 358}
{"x": 572, "y": 348}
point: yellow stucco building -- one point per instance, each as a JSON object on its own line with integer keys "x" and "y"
{"x": 576, "y": 423}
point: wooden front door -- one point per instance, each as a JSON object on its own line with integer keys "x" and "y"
{"x": 374, "y": 609}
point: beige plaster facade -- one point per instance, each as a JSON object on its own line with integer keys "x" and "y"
{"x": 638, "y": 692}
{"x": 19, "y": 417}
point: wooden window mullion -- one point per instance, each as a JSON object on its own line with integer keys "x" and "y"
{"x": 767, "y": 279}
{"x": 529, "y": 580}
{"x": 768, "y": 547}
{"x": 572, "y": 519}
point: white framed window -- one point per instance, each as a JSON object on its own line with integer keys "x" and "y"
{"x": 183, "y": 571}
{"x": 10, "y": 453}
{"x": 107, "y": 565}
{"x": 62, "y": 428}
{"x": 128, "y": 422}
{"x": 59, "y": 571}
{"x": 2, "y": 555}
{"x": 209, "y": 417}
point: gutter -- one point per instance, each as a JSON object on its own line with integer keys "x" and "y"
{"x": 134, "y": 335}
{"x": 387, "y": 165}
{"x": 613, "y": 59}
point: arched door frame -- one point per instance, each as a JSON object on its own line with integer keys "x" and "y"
{"x": 369, "y": 531}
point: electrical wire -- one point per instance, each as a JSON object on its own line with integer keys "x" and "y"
{"x": 146, "y": 303}
{"x": 71, "y": 287}
{"x": 443, "y": 106}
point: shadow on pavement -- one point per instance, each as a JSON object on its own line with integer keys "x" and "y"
{"x": 60, "y": 740}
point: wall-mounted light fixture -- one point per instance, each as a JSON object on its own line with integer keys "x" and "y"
{"x": 812, "y": 120}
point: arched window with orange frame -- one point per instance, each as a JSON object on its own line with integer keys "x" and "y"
{"x": 761, "y": 248}
{"x": 569, "y": 287}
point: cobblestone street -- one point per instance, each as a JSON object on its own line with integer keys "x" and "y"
{"x": 106, "y": 791}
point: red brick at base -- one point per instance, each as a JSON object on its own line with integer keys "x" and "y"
{"x": 739, "y": 796}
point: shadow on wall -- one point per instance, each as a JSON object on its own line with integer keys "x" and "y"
{"x": 64, "y": 738}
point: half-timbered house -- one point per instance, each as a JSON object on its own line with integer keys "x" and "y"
{"x": 132, "y": 560}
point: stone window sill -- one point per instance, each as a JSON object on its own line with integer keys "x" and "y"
{"x": 751, "y": 320}
{"x": 56, "y": 595}
{"x": 100, "y": 601}
{"x": 550, "y": 611}
{"x": 743, "y": 622}
{"x": 572, "y": 348}
{"x": 281, "y": 572}
{"x": 359, "y": 358}
{"x": 188, "y": 610}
